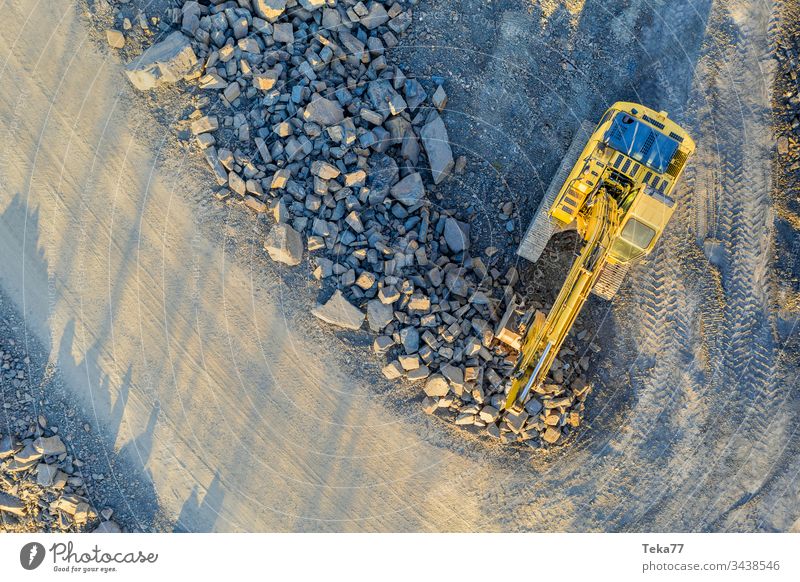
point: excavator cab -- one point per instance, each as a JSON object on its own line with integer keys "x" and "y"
{"x": 614, "y": 187}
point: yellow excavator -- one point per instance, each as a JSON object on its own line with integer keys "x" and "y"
{"x": 615, "y": 191}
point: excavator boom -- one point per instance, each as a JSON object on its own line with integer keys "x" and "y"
{"x": 542, "y": 344}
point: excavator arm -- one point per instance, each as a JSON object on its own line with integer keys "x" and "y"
{"x": 543, "y": 339}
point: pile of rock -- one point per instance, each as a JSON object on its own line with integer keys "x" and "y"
{"x": 41, "y": 489}
{"x": 302, "y": 116}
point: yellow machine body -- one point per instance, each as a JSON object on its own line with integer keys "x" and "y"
{"x": 617, "y": 197}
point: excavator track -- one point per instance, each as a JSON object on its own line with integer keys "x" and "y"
{"x": 610, "y": 280}
{"x": 543, "y": 226}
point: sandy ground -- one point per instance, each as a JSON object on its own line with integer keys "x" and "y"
{"x": 200, "y": 360}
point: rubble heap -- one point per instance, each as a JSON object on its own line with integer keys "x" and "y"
{"x": 302, "y": 116}
{"x": 41, "y": 489}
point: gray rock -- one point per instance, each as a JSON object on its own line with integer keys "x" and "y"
{"x": 383, "y": 175}
{"x": 205, "y": 124}
{"x": 11, "y": 504}
{"x": 283, "y": 32}
{"x": 339, "y": 311}
{"x": 456, "y": 235}
{"x": 437, "y": 147}
{"x": 410, "y": 190}
{"x": 418, "y": 374}
{"x": 45, "y": 474}
{"x": 165, "y": 62}
{"x": 409, "y": 337}
{"x": 382, "y": 343}
{"x": 284, "y": 244}
{"x": 379, "y": 315}
{"x": 312, "y": 5}
{"x": 453, "y": 374}
{"x": 377, "y": 16}
{"x": 384, "y": 99}
{"x": 323, "y": 111}
{"x": 392, "y": 370}
{"x": 351, "y": 44}
{"x": 8, "y": 446}
{"x": 50, "y": 445}
{"x": 269, "y": 10}
{"x": 436, "y": 385}
{"x": 533, "y": 406}
{"x": 439, "y": 98}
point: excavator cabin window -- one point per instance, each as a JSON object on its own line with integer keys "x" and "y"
{"x": 633, "y": 241}
{"x": 641, "y": 142}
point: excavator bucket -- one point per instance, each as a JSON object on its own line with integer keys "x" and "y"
{"x": 543, "y": 226}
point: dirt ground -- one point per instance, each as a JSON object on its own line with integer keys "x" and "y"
{"x": 202, "y": 368}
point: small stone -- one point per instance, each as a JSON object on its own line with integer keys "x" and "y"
{"x": 465, "y": 419}
{"x": 410, "y": 190}
{"x": 439, "y": 98}
{"x": 516, "y": 421}
{"x": 11, "y": 504}
{"x": 388, "y": 295}
{"x": 280, "y": 178}
{"x": 50, "y": 445}
{"x": 283, "y": 32}
{"x": 269, "y": 10}
{"x": 489, "y": 414}
{"x": 533, "y": 406}
{"x": 551, "y": 435}
{"x": 376, "y": 16}
{"x": 418, "y": 374}
{"x": 453, "y": 374}
{"x": 379, "y": 315}
{"x": 382, "y": 343}
{"x": 115, "y": 38}
{"x": 45, "y": 474}
{"x": 409, "y": 362}
{"x": 392, "y": 370}
{"x": 429, "y": 405}
{"x": 340, "y": 312}
{"x": 324, "y": 170}
{"x": 409, "y": 337}
{"x": 236, "y": 183}
{"x": 437, "y": 147}
{"x": 436, "y": 385}
{"x": 323, "y": 111}
{"x": 456, "y": 235}
{"x": 284, "y": 244}
{"x": 365, "y": 280}
{"x": 205, "y": 124}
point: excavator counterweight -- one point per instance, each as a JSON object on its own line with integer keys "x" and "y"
{"x": 615, "y": 192}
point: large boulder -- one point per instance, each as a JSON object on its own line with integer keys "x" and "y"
{"x": 339, "y": 311}
{"x": 437, "y": 147}
{"x": 165, "y": 62}
{"x": 283, "y": 243}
